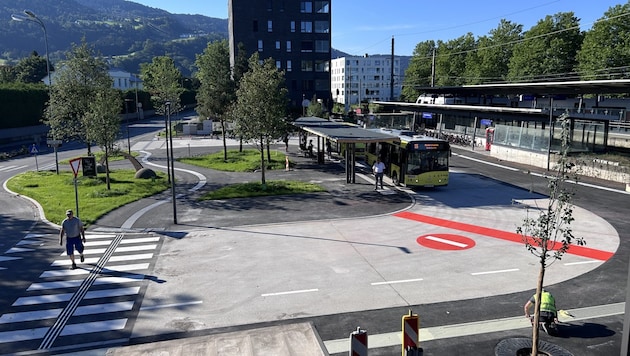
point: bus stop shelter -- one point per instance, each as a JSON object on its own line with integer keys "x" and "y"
{"x": 342, "y": 133}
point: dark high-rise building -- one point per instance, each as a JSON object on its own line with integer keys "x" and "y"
{"x": 295, "y": 33}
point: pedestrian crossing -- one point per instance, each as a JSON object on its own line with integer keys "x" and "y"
{"x": 11, "y": 168}
{"x": 93, "y": 304}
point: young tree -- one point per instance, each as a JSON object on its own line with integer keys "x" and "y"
{"x": 164, "y": 81}
{"x": 218, "y": 90}
{"x": 549, "y": 235}
{"x": 605, "y": 51}
{"x": 261, "y": 105}
{"x": 31, "y": 69}
{"x": 103, "y": 114}
{"x": 74, "y": 89}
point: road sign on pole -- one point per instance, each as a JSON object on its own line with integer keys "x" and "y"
{"x": 75, "y": 164}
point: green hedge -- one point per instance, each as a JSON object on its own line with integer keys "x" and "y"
{"x": 22, "y": 104}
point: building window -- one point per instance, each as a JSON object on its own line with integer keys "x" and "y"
{"x": 278, "y": 64}
{"x": 292, "y": 26}
{"x": 307, "y": 66}
{"x": 307, "y": 46}
{"x": 289, "y": 66}
{"x": 269, "y": 26}
{"x": 322, "y": 46}
{"x": 306, "y": 7}
{"x": 288, "y": 46}
{"x": 306, "y": 27}
{"x": 260, "y": 45}
{"x": 278, "y": 45}
{"x": 269, "y": 5}
{"x": 322, "y": 27}
{"x": 322, "y": 7}
{"x": 255, "y": 26}
{"x": 322, "y": 66}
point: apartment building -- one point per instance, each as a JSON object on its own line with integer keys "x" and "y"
{"x": 356, "y": 79}
{"x": 296, "y": 34}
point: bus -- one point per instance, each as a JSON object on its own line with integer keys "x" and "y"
{"x": 415, "y": 161}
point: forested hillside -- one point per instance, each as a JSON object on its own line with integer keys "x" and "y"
{"x": 127, "y": 32}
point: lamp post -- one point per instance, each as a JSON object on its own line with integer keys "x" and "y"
{"x": 127, "y": 101}
{"x": 30, "y": 16}
{"x": 169, "y": 137}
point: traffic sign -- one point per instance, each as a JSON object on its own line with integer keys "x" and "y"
{"x": 54, "y": 143}
{"x": 34, "y": 149}
{"x": 75, "y": 164}
{"x": 446, "y": 242}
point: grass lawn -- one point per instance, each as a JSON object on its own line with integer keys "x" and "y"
{"x": 246, "y": 161}
{"x": 55, "y": 193}
{"x": 249, "y": 161}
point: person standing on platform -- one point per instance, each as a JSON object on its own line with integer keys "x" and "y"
{"x": 379, "y": 169}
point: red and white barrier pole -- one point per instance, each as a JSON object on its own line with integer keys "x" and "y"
{"x": 358, "y": 343}
{"x": 410, "y": 340}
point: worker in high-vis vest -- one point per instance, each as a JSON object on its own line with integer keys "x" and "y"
{"x": 547, "y": 306}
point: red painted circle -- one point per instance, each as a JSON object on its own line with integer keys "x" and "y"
{"x": 446, "y": 242}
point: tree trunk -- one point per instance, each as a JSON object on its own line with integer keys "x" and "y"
{"x": 107, "y": 167}
{"x": 224, "y": 143}
{"x": 268, "y": 152}
{"x": 262, "y": 160}
{"x": 539, "y": 287}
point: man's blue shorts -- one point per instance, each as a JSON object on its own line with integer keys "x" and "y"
{"x": 72, "y": 244}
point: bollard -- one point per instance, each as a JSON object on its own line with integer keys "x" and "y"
{"x": 358, "y": 343}
{"x": 410, "y": 341}
{"x": 286, "y": 160}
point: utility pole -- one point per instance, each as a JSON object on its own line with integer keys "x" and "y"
{"x": 391, "y": 76}
{"x": 433, "y": 69}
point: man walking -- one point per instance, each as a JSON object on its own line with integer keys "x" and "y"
{"x": 379, "y": 169}
{"x": 75, "y": 236}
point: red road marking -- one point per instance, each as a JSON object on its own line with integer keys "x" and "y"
{"x": 503, "y": 235}
{"x": 446, "y": 242}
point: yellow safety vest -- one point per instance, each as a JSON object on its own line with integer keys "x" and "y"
{"x": 548, "y": 303}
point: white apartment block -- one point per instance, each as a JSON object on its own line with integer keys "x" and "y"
{"x": 358, "y": 79}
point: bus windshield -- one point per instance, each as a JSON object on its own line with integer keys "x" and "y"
{"x": 427, "y": 161}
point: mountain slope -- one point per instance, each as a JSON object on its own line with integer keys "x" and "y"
{"x": 113, "y": 27}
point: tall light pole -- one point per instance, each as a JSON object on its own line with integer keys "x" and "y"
{"x": 30, "y": 16}
{"x": 172, "y": 173}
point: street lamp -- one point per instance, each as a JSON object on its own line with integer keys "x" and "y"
{"x": 30, "y": 16}
{"x": 169, "y": 138}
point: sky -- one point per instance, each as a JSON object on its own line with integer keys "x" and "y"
{"x": 367, "y": 26}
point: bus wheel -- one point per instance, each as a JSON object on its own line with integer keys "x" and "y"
{"x": 395, "y": 178}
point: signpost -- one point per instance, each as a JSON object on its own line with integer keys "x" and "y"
{"x": 34, "y": 152}
{"x": 75, "y": 164}
{"x": 55, "y": 144}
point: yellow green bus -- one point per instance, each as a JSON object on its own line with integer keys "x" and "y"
{"x": 416, "y": 161}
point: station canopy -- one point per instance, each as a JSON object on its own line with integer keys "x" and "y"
{"x": 341, "y": 132}
{"x": 578, "y": 87}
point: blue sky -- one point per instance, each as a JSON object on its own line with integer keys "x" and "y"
{"x": 367, "y": 26}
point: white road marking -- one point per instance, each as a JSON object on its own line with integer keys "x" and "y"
{"x": 446, "y": 241}
{"x": 493, "y": 272}
{"x": 290, "y": 292}
{"x": 581, "y": 263}
{"x": 395, "y": 282}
